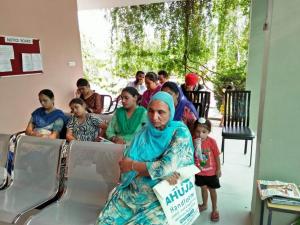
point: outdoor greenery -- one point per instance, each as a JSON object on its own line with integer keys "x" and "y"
{"x": 209, "y": 37}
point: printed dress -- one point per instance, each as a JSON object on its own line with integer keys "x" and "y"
{"x": 86, "y": 131}
{"x": 136, "y": 203}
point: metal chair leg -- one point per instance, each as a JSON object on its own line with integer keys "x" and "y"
{"x": 222, "y": 148}
{"x": 246, "y": 144}
{"x": 251, "y": 153}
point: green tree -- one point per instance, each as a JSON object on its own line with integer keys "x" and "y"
{"x": 209, "y": 37}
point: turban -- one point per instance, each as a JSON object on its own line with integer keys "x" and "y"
{"x": 191, "y": 79}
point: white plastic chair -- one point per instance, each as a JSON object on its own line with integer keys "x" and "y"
{"x": 4, "y": 145}
{"x": 36, "y": 169}
{"x": 93, "y": 171}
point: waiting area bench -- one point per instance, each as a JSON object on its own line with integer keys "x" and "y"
{"x": 35, "y": 177}
{"x": 93, "y": 171}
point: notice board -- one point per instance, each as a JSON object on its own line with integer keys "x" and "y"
{"x": 20, "y": 56}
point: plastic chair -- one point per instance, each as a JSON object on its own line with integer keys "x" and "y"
{"x": 236, "y": 119}
{"x": 201, "y": 101}
{"x": 93, "y": 171}
{"x": 4, "y": 146}
{"x": 36, "y": 169}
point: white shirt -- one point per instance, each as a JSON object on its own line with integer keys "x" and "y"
{"x": 141, "y": 88}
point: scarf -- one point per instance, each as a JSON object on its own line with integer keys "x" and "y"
{"x": 150, "y": 143}
{"x": 42, "y": 119}
{"x": 182, "y": 103}
{"x": 129, "y": 125}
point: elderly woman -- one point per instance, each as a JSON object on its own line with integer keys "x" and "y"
{"x": 156, "y": 152}
{"x": 46, "y": 121}
{"x": 184, "y": 109}
{"x": 128, "y": 119}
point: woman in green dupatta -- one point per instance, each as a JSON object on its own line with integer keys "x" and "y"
{"x": 128, "y": 119}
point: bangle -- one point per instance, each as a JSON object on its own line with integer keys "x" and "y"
{"x": 132, "y": 165}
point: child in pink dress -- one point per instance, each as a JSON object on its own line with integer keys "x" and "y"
{"x": 208, "y": 160}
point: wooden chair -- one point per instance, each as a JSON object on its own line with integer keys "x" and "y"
{"x": 236, "y": 119}
{"x": 201, "y": 101}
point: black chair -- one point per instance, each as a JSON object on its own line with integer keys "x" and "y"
{"x": 236, "y": 119}
{"x": 201, "y": 101}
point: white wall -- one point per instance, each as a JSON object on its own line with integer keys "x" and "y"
{"x": 55, "y": 24}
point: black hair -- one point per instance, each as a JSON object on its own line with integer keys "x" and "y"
{"x": 77, "y": 101}
{"x": 132, "y": 91}
{"x": 172, "y": 85}
{"x": 206, "y": 124}
{"x": 81, "y": 82}
{"x": 136, "y": 75}
{"x": 152, "y": 76}
{"x": 47, "y": 92}
{"x": 163, "y": 73}
{"x": 139, "y": 72}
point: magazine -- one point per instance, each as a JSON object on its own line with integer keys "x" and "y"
{"x": 285, "y": 201}
{"x": 269, "y": 189}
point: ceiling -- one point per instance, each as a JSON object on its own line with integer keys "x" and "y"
{"x": 99, "y": 4}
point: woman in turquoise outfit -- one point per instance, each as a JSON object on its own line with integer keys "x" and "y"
{"x": 156, "y": 152}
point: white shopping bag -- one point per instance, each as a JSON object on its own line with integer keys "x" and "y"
{"x": 179, "y": 201}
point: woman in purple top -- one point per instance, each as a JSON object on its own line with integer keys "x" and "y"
{"x": 151, "y": 81}
{"x": 184, "y": 109}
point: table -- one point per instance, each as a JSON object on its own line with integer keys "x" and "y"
{"x": 276, "y": 207}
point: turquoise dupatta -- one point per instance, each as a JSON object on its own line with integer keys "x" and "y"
{"x": 150, "y": 143}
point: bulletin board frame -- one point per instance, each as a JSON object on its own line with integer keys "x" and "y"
{"x": 21, "y": 46}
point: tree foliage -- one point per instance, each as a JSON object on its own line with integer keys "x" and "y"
{"x": 209, "y": 37}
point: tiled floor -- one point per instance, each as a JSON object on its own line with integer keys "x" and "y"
{"x": 234, "y": 196}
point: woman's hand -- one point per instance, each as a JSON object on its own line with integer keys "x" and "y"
{"x": 173, "y": 178}
{"x": 218, "y": 173}
{"x": 118, "y": 140}
{"x": 126, "y": 165}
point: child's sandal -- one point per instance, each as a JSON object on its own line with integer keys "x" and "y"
{"x": 214, "y": 216}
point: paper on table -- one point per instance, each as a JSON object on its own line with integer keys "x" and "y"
{"x": 6, "y": 52}
{"x": 5, "y": 65}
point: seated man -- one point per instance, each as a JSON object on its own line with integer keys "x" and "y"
{"x": 92, "y": 99}
{"x": 163, "y": 76}
{"x": 191, "y": 84}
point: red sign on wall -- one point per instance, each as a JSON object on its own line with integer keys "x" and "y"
{"x": 19, "y": 55}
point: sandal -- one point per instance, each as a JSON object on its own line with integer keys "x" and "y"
{"x": 214, "y": 216}
{"x": 202, "y": 207}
